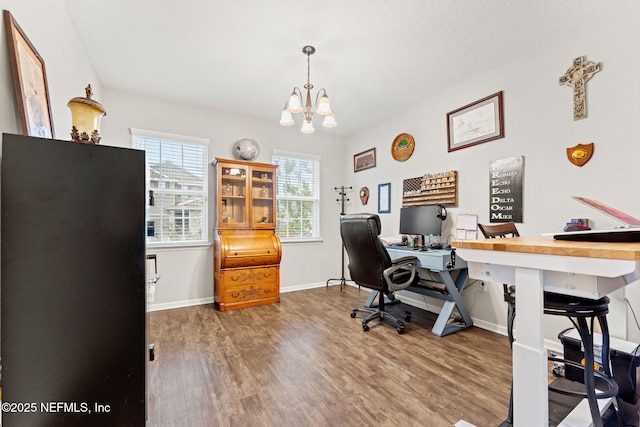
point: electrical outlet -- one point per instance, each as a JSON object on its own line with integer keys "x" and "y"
{"x": 483, "y": 287}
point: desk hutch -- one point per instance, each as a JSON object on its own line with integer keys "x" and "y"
{"x": 247, "y": 251}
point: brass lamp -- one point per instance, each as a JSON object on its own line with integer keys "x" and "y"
{"x": 85, "y": 118}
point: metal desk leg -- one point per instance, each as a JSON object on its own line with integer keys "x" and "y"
{"x": 441, "y": 328}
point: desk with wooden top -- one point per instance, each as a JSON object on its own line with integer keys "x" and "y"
{"x": 538, "y": 264}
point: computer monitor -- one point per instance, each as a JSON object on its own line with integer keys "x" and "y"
{"x": 420, "y": 220}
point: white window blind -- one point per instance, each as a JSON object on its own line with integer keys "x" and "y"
{"x": 177, "y": 177}
{"x": 298, "y": 195}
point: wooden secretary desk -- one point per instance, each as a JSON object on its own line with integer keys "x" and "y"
{"x": 247, "y": 251}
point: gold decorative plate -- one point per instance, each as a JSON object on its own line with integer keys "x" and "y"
{"x": 580, "y": 154}
{"x": 402, "y": 147}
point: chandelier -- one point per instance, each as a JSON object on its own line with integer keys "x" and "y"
{"x": 294, "y": 104}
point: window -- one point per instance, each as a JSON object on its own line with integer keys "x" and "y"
{"x": 298, "y": 195}
{"x": 176, "y": 185}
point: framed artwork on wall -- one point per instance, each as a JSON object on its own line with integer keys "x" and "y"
{"x": 475, "y": 123}
{"x": 384, "y": 198}
{"x": 364, "y": 160}
{"x": 30, "y": 80}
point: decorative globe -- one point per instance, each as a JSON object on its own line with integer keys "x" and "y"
{"x": 246, "y": 149}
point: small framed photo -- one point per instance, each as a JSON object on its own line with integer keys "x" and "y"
{"x": 364, "y": 160}
{"x": 475, "y": 123}
{"x": 384, "y": 198}
{"x": 30, "y": 81}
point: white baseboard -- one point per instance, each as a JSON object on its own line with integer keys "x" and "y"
{"x": 209, "y": 300}
{"x": 180, "y": 304}
{"x": 286, "y": 289}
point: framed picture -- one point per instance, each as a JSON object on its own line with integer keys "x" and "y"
{"x": 384, "y": 198}
{"x": 30, "y": 80}
{"x": 478, "y": 122}
{"x": 364, "y": 160}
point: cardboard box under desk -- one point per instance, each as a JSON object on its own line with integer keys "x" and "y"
{"x": 623, "y": 362}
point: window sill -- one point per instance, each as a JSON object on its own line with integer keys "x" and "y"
{"x": 177, "y": 246}
{"x": 301, "y": 241}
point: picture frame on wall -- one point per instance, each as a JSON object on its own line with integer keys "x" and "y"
{"x": 384, "y": 198}
{"x": 476, "y": 123}
{"x": 364, "y": 160}
{"x": 30, "y": 78}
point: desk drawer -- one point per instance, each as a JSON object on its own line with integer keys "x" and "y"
{"x": 432, "y": 259}
{"x": 247, "y": 287}
{"x": 258, "y": 291}
{"x": 249, "y": 276}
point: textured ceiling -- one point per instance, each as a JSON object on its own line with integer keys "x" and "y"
{"x": 374, "y": 57}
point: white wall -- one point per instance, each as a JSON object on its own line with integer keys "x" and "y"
{"x": 48, "y": 27}
{"x": 539, "y": 126}
{"x": 187, "y": 274}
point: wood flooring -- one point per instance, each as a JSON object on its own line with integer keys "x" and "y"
{"x": 305, "y": 362}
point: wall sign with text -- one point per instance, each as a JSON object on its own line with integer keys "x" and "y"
{"x": 505, "y": 189}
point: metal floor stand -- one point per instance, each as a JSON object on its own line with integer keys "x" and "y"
{"x": 342, "y": 201}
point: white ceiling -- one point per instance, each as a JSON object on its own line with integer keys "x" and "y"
{"x": 374, "y": 57}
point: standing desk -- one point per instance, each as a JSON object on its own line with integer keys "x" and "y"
{"x": 538, "y": 264}
{"x": 440, "y": 262}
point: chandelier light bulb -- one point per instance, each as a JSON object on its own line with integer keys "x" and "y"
{"x": 286, "y": 119}
{"x": 329, "y": 121}
{"x": 324, "y": 106}
{"x": 307, "y": 127}
{"x": 295, "y": 104}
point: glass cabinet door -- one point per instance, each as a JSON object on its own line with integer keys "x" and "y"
{"x": 262, "y": 197}
{"x": 232, "y": 211}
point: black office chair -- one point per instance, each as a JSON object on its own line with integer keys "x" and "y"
{"x": 578, "y": 310}
{"x": 371, "y": 266}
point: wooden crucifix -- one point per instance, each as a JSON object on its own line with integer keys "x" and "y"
{"x": 577, "y": 77}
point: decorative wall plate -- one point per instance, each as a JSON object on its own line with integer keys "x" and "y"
{"x": 364, "y": 195}
{"x": 402, "y": 147}
{"x": 580, "y": 154}
{"x": 246, "y": 149}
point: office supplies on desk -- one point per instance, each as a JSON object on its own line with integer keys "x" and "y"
{"x": 614, "y": 213}
{"x": 629, "y": 233}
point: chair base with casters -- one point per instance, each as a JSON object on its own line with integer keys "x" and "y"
{"x": 380, "y": 313}
{"x": 372, "y": 299}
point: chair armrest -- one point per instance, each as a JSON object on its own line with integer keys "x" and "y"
{"x": 406, "y": 264}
